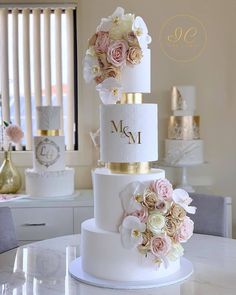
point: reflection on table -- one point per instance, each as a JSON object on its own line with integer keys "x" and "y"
{"x": 42, "y": 268}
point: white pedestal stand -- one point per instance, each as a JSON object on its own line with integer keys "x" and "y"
{"x": 184, "y": 181}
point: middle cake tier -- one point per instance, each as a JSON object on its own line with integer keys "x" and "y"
{"x": 107, "y": 187}
{"x": 128, "y": 133}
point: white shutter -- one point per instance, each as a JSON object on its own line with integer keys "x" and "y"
{"x": 34, "y": 36}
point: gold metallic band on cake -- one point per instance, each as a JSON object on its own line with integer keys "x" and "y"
{"x": 129, "y": 168}
{"x": 184, "y": 127}
{"x": 55, "y": 132}
{"x": 131, "y": 98}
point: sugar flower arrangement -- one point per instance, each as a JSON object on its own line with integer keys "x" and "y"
{"x": 10, "y": 134}
{"x": 119, "y": 42}
{"x": 155, "y": 220}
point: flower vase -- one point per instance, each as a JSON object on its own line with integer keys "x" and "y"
{"x": 10, "y": 179}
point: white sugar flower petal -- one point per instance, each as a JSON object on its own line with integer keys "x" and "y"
{"x": 128, "y": 197}
{"x": 140, "y": 30}
{"x": 181, "y": 197}
{"x": 107, "y": 23}
{"x": 131, "y": 232}
{"x": 110, "y": 91}
{"x": 91, "y": 68}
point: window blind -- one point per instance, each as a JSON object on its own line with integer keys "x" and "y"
{"x": 37, "y": 66}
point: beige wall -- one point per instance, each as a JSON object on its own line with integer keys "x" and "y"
{"x": 213, "y": 74}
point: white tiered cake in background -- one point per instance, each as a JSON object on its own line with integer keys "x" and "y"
{"x": 135, "y": 236}
{"x": 183, "y": 146}
{"x": 49, "y": 176}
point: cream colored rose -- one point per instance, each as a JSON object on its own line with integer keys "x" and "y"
{"x": 149, "y": 199}
{"x": 175, "y": 252}
{"x": 177, "y": 212}
{"x": 171, "y": 226}
{"x": 121, "y": 27}
{"x": 155, "y": 222}
{"x": 134, "y": 55}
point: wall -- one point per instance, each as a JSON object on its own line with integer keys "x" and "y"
{"x": 213, "y": 74}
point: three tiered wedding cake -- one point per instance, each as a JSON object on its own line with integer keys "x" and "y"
{"x": 49, "y": 176}
{"x": 140, "y": 221}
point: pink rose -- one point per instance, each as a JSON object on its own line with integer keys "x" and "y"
{"x": 14, "y": 133}
{"x": 117, "y": 52}
{"x": 160, "y": 245}
{"x": 163, "y": 188}
{"x": 102, "y": 42}
{"x": 185, "y": 231}
{"x": 141, "y": 214}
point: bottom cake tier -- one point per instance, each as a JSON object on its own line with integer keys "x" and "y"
{"x": 49, "y": 184}
{"x": 183, "y": 152}
{"x": 104, "y": 256}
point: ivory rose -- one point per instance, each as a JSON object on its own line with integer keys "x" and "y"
{"x": 155, "y": 222}
{"x": 117, "y": 52}
{"x": 160, "y": 245}
{"x": 185, "y": 231}
{"x": 163, "y": 188}
{"x": 102, "y": 42}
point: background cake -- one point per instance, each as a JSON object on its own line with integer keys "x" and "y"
{"x": 133, "y": 203}
{"x": 183, "y": 146}
{"x": 49, "y": 176}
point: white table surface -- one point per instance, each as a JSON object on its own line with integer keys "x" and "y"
{"x": 42, "y": 268}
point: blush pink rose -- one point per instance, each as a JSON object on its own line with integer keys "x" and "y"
{"x": 14, "y": 133}
{"x": 160, "y": 245}
{"x": 163, "y": 188}
{"x": 185, "y": 231}
{"x": 141, "y": 214}
{"x": 117, "y": 52}
{"x": 102, "y": 42}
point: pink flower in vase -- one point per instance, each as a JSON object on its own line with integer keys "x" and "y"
{"x": 14, "y": 133}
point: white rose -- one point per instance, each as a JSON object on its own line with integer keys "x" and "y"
{"x": 155, "y": 222}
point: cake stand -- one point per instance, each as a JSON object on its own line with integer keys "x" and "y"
{"x": 76, "y": 271}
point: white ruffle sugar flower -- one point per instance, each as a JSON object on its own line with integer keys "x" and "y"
{"x": 140, "y": 30}
{"x": 91, "y": 68}
{"x": 110, "y": 91}
{"x": 131, "y": 231}
{"x": 181, "y": 197}
{"x": 114, "y": 19}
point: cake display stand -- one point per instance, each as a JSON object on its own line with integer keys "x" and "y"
{"x": 76, "y": 271}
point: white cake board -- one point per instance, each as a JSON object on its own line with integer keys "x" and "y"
{"x": 76, "y": 271}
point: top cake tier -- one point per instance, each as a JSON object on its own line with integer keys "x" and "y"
{"x": 183, "y": 100}
{"x": 48, "y": 117}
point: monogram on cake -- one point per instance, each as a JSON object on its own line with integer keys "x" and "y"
{"x": 140, "y": 221}
{"x": 49, "y": 176}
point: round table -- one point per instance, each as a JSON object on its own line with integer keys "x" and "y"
{"x": 42, "y": 268}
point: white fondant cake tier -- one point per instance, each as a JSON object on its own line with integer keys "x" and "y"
{"x": 49, "y": 153}
{"x": 107, "y": 186}
{"x": 48, "y": 117}
{"x": 183, "y": 100}
{"x": 183, "y": 152}
{"x": 128, "y": 133}
{"x": 49, "y": 184}
{"x": 136, "y": 78}
{"x": 104, "y": 256}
